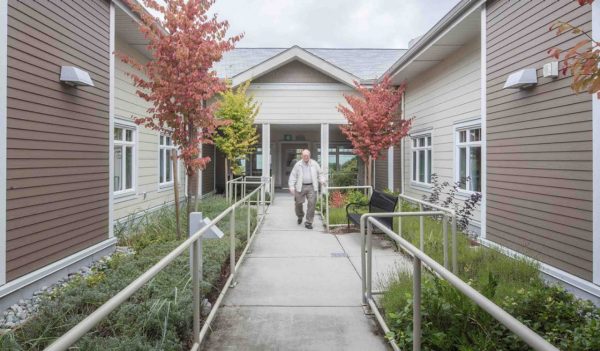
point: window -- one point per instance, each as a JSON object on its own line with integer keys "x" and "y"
{"x": 165, "y": 167}
{"x": 421, "y": 159}
{"x": 468, "y": 150}
{"x": 124, "y": 159}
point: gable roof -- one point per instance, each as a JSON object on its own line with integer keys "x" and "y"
{"x": 343, "y": 64}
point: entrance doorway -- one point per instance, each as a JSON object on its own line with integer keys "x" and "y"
{"x": 290, "y": 154}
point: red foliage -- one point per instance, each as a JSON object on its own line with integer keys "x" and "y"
{"x": 179, "y": 79}
{"x": 337, "y": 199}
{"x": 582, "y": 60}
{"x": 374, "y": 122}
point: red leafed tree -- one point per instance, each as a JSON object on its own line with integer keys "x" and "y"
{"x": 374, "y": 122}
{"x": 582, "y": 60}
{"x": 185, "y": 42}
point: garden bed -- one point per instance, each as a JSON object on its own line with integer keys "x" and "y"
{"x": 159, "y": 316}
{"x": 452, "y": 322}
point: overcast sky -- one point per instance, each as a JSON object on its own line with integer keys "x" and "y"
{"x": 331, "y": 23}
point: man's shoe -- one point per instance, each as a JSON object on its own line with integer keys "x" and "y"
{"x": 299, "y": 220}
{"x": 308, "y": 225}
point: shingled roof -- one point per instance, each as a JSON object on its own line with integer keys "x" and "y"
{"x": 367, "y": 64}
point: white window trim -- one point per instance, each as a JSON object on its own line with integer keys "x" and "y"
{"x": 121, "y": 194}
{"x": 165, "y": 185}
{"x": 111, "y": 122}
{"x": 483, "y": 98}
{"x": 416, "y": 183}
{"x": 457, "y": 128}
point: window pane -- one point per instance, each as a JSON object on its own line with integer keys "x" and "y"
{"x": 475, "y": 134}
{"x": 462, "y": 166}
{"x": 428, "y": 141}
{"x": 161, "y": 171}
{"x": 128, "y": 135}
{"x": 345, "y": 159}
{"x": 422, "y": 166}
{"x": 169, "y": 141}
{"x": 118, "y": 163}
{"x": 169, "y": 166}
{"x": 118, "y": 134}
{"x": 128, "y": 167}
{"x": 332, "y": 162}
{"x": 421, "y": 142}
{"x": 428, "y": 166}
{"x": 414, "y": 176}
{"x": 162, "y": 140}
{"x": 475, "y": 171}
{"x": 462, "y": 136}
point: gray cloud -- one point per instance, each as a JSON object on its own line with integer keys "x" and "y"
{"x": 331, "y": 23}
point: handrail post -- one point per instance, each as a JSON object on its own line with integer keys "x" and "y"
{"x": 248, "y": 220}
{"x": 235, "y": 187}
{"x": 400, "y": 218}
{"x": 421, "y": 230}
{"x": 327, "y": 208}
{"x": 363, "y": 242}
{"x": 454, "y": 246}
{"x": 232, "y": 246}
{"x": 416, "y": 304}
{"x": 196, "y": 262}
{"x": 369, "y": 260}
{"x": 445, "y": 238}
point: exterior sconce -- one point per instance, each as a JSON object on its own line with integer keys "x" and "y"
{"x": 522, "y": 79}
{"x": 74, "y": 76}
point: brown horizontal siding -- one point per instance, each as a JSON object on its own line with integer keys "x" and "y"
{"x": 57, "y": 144}
{"x": 539, "y": 149}
{"x": 208, "y": 175}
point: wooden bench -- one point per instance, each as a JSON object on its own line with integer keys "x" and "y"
{"x": 379, "y": 202}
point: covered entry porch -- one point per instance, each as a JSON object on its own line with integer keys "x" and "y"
{"x": 282, "y": 144}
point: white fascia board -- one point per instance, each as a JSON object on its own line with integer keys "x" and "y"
{"x": 293, "y": 54}
{"x": 596, "y": 157}
{"x": 429, "y": 40}
{"x": 3, "y": 134}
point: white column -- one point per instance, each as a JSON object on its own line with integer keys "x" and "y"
{"x": 266, "y": 150}
{"x": 325, "y": 149}
{"x": 596, "y": 156}
{"x": 111, "y": 121}
{"x": 483, "y": 98}
{"x": 390, "y": 170}
{"x": 402, "y": 148}
{"x": 3, "y": 136}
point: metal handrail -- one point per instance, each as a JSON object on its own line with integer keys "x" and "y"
{"x": 369, "y": 220}
{"x": 325, "y": 193}
{"x": 194, "y": 241}
{"x": 232, "y": 187}
{"x": 452, "y": 215}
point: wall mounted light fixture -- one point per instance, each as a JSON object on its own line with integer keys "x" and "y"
{"x": 524, "y": 78}
{"x": 74, "y": 76}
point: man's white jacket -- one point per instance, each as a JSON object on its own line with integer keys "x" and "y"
{"x": 295, "y": 181}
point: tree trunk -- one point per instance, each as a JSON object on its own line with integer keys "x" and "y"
{"x": 369, "y": 170}
{"x": 191, "y": 196}
{"x": 176, "y": 189}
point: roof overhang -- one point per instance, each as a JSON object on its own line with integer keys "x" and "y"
{"x": 127, "y": 25}
{"x": 452, "y": 32}
{"x": 295, "y": 53}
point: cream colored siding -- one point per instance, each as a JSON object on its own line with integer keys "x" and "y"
{"x": 438, "y": 99}
{"x": 147, "y": 194}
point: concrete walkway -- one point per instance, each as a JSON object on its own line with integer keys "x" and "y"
{"x": 300, "y": 289}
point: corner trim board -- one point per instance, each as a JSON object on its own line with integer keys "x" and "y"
{"x": 596, "y": 158}
{"x": 483, "y": 63}
{"x": 3, "y": 133}
{"x": 111, "y": 123}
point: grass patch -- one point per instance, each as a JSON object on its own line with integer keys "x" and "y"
{"x": 159, "y": 316}
{"x": 452, "y": 322}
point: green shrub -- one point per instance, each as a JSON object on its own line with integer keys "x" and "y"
{"x": 159, "y": 316}
{"x": 452, "y": 322}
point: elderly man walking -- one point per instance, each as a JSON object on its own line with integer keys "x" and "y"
{"x": 304, "y": 183}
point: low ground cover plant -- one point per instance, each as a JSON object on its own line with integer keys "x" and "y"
{"x": 159, "y": 316}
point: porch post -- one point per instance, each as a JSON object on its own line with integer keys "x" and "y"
{"x": 266, "y": 151}
{"x": 390, "y": 168}
{"x": 325, "y": 149}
